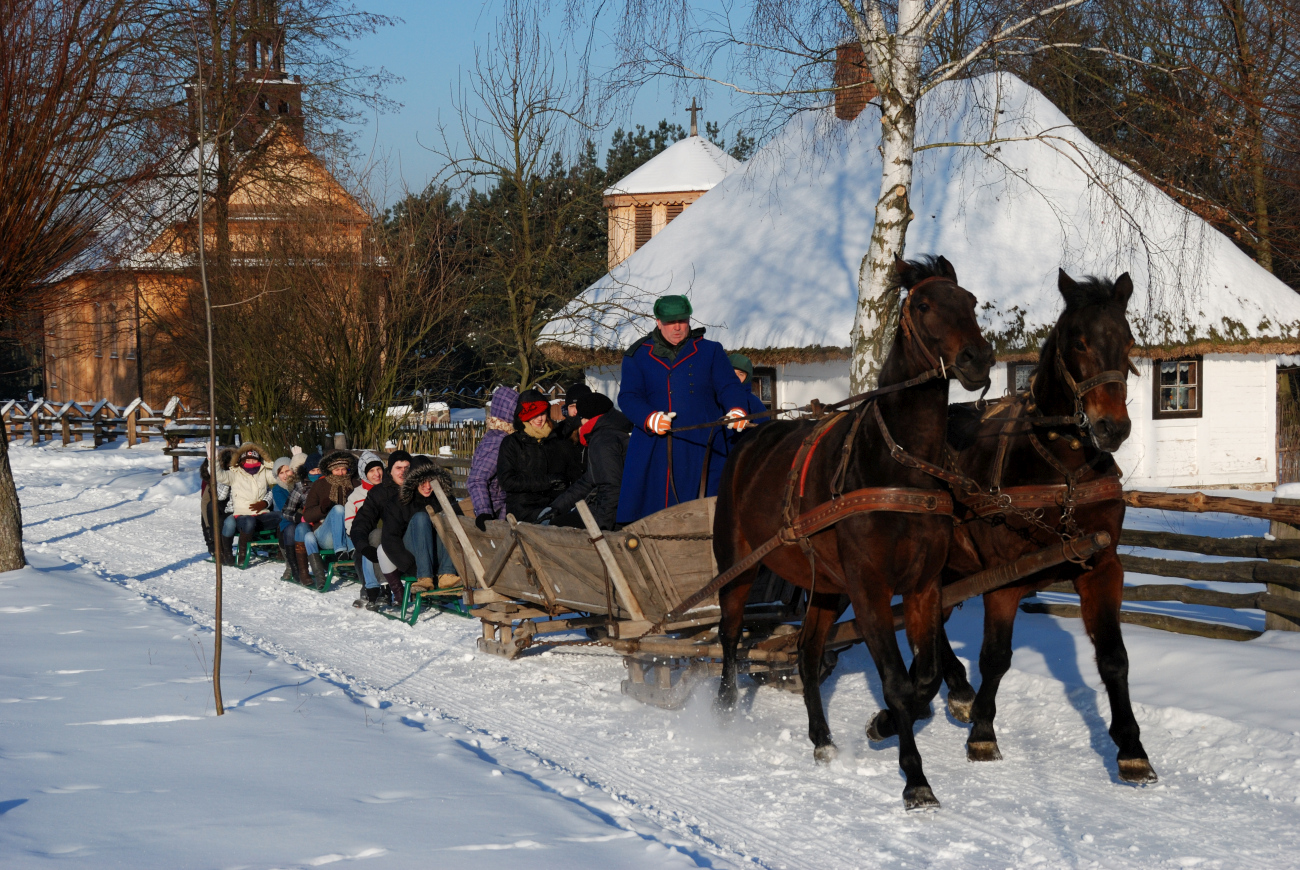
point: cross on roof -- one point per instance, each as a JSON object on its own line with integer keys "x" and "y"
{"x": 693, "y": 109}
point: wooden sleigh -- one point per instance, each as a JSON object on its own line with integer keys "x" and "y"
{"x": 528, "y": 581}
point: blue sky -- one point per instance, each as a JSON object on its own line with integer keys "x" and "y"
{"x": 431, "y": 50}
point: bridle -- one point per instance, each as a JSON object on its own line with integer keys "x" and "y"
{"x": 1080, "y": 389}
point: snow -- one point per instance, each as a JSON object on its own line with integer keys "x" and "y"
{"x": 690, "y": 164}
{"x": 770, "y": 256}
{"x": 351, "y": 737}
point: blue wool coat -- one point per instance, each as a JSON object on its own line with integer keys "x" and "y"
{"x": 700, "y": 385}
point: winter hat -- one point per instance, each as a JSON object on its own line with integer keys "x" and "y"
{"x": 670, "y": 309}
{"x": 593, "y": 405}
{"x": 398, "y": 456}
{"x": 336, "y": 458}
{"x": 742, "y": 362}
{"x": 369, "y": 459}
{"x": 312, "y": 461}
{"x": 532, "y": 404}
{"x": 574, "y": 392}
{"x": 418, "y": 461}
{"x": 281, "y": 463}
{"x": 505, "y": 401}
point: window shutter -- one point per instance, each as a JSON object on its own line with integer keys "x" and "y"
{"x": 674, "y": 209}
{"x": 643, "y": 216}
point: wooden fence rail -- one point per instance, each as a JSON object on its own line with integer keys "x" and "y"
{"x": 1282, "y": 581}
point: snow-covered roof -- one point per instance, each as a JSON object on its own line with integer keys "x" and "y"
{"x": 693, "y": 163}
{"x": 770, "y": 257}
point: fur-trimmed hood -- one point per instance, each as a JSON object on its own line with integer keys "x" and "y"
{"x": 334, "y": 456}
{"x": 246, "y": 448}
{"x": 417, "y": 476}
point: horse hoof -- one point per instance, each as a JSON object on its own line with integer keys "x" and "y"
{"x": 983, "y": 750}
{"x": 920, "y": 798}
{"x": 825, "y": 754}
{"x": 1137, "y": 771}
{"x": 959, "y": 707}
{"x": 881, "y": 727}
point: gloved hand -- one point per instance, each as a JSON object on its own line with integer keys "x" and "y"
{"x": 659, "y": 422}
{"x": 558, "y": 483}
{"x": 480, "y": 521}
{"x": 545, "y": 512}
{"x": 736, "y": 414}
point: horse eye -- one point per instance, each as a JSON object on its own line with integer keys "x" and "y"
{"x": 1079, "y": 345}
{"x": 923, "y": 307}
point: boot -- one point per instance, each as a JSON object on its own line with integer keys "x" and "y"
{"x": 448, "y": 581}
{"x": 227, "y": 546}
{"x": 241, "y": 553}
{"x": 300, "y": 557}
{"x": 373, "y": 596}
{"x": 424, "y": 584}
{"x": 395, "y": 590}
{"x": 318, "y": 570}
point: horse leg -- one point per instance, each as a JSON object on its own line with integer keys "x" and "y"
{"x": 922, "y": 619}
{"x": 995, "y": 660}
{"x": 961, "y": 697}
{"x": 876, "y": 621}
{"x": 817, "y": 623}
{"x": 1100, "y": 592}
{"x": 732, "y": 600}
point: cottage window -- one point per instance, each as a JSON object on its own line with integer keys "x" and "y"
{"x": 764, "y": 386}
{"x": 1178, "y": 388}
{"x": 1020, "y": 376}
{"x": 644, "y": 213}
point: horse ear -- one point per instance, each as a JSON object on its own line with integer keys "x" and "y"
{"x": 1123, "y": 289}
{"x": 903, "y": 269}
{"x": 945, "y": 269}
{"x": 1070, "y": 291}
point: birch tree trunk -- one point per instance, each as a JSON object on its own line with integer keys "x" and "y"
{"x": 895, "y": 60}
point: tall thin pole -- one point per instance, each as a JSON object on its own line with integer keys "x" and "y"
{"x": 212, "y": 396}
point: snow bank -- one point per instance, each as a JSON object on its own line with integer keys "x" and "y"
{"x": 771, "y": 255}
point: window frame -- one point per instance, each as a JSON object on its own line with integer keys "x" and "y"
{"x": 1011, "y": 375}
{"x": 1156, "y": 412}
{"x": 764, "y": 372}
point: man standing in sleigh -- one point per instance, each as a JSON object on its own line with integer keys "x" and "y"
{"x": 674, "y": 378}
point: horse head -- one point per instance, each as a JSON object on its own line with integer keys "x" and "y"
{"x": 1084, "y": 364}
{"x": 938, "y": 316}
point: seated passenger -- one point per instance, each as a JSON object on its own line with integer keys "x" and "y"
{"x": 285, "y": 480}
{"x": 291, "y": 516}
{"x": 322, "y": 514}
{"x": 536, "y": 464}
{"x": 250, "y": 483}
{"x": 570, "y": 421}
{"x": 604, "y": 433}
{"x": 372, "y": 473}
{"x": 393, "y": 529}
{"x": 485, "y": 491}
{"x": 744, "y": 369}
{"x": 221, "y": 493}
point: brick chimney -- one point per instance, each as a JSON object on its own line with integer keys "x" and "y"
{"x": 852, "y": 76}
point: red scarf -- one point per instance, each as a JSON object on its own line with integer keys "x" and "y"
{"x": 586, "y": 428}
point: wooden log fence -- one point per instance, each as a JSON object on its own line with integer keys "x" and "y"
{"x": 1264, "y": 565}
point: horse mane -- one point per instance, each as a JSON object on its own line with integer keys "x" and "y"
{"x": 1091, "y": 290}
{"x": 925, "y": 266}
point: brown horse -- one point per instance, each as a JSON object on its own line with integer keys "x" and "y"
{"x": 869, "y": 556}
{"x": 1081, "y": 375}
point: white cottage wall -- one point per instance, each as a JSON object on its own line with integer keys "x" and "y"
{"x": 1233, "y": 443}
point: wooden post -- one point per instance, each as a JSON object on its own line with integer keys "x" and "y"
{"x": 1283, "y": 532}
{"x": 65, "y": 427}
{"x": 471, "y": 556}
{"x": 611, "y": 565}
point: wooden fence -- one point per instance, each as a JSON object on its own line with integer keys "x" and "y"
{"x": 43, "y": 422}
{"x": 1273, "y": 563}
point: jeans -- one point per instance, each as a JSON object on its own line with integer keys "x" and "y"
{"x": 425, "y": 546}
{"x": 327, "y": 536}
{"x": 249, "y": 524}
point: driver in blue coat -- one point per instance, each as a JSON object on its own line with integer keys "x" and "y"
{"x": 674, "y": 377}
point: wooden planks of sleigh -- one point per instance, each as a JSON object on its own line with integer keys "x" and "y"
{"x": 533, "y": 581}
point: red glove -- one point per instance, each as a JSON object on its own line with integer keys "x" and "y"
{"x": 736, "y": 414}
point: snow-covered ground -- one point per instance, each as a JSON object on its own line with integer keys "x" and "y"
{"x": 351, "y": 736}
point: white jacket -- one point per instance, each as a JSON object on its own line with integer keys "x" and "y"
{"x": 245, "y": 488}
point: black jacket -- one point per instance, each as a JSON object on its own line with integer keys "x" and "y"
{"x": 603, "y": 477}
{"x": 533, "y": 472}
{"x": 391, "y": 507}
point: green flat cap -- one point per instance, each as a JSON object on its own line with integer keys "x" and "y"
{"x": 742, "y": 362}
{"x": 671, "y": 308}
